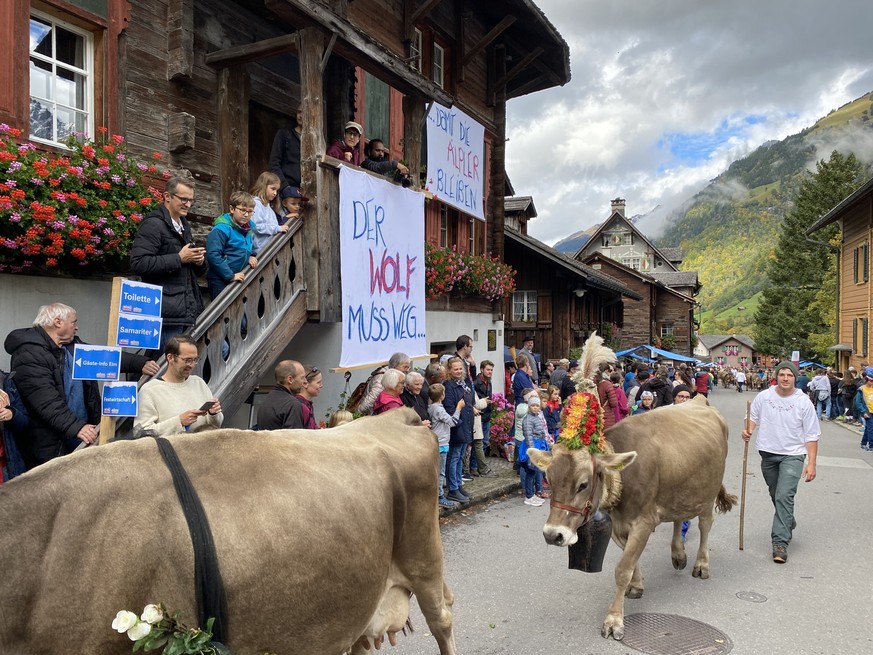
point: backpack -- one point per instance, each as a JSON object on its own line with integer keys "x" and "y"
{"x": 360, "y": 391}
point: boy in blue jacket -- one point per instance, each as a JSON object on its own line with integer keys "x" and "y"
{"x": 229, "y": 244}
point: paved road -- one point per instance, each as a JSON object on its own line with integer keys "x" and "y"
{"x": 514, "y": 593}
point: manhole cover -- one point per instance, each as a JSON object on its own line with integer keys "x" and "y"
{"x": 752, "y": 596}
{"x": 669, "y": 634}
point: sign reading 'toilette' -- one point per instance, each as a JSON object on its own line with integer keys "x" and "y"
{"x": 456, "y": 159}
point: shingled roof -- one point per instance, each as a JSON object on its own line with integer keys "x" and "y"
{"x": 711, "y": 341}
{"x": 672, "y": 255}
{"x": 676, "y": 278}
{"x": 520, "y": 204}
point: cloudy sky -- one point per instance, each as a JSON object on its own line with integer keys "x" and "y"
{"x": 665, "y": 95}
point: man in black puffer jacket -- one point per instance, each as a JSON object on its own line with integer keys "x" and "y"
{"x": 164, "y": 253}
{"x": 63, "y": 413}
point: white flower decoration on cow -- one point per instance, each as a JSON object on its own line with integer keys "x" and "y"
{"x": 140, "y": 630}
{"x": 152, "y": 614}
{"x": 124, "y": 621}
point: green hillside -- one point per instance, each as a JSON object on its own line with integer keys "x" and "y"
{"x": 730, "y": 229}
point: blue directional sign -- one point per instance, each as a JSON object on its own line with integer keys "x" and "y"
{"x": 119, "y": 399}
{"x": 96, "y": 362}
{"x": 140, "y": 298}
{"x": 138, "y": 331}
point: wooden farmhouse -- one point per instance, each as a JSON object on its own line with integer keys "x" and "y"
{"x": 854, "y": 290}
{"x": 558, "y": 300}
{"x": 664, "y": 311}
{"x": 731, "y": 350}
{"x": 207, "y": 84}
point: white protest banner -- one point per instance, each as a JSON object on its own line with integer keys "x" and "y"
{"x": 382, "y": 269}
{"x": 456, "y": 160}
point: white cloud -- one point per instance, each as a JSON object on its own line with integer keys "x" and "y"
{"x": 695, "y": 70}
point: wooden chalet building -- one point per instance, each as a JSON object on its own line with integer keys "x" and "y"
{"x": 664, "y": 309}
{"x": 731, "y": 350}
{"x": 558, "y": 300}
{"x": 207, "y": 84}
{"x": 854, "y": 290}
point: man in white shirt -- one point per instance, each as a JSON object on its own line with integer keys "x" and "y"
{"x": 178, "y": 402}
{"x": 740, "y": 377}
{"x": 788, "y": 437}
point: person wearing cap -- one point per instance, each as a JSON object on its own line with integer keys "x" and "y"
{"x": 681, "y": 394}
{"x": 522, "y": 378}
{"x": 864, "y": 408}
{"x": 348, "y": 148}
{"x": 292, "y": 202}
{"x": 647, "y": 401}
{"x": 788, "y": 434}
{"x": 527, "y": 345}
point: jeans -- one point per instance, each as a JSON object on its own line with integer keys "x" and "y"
{"x": 837, "y": 408}
{"x": 823, "y": 407}
{"x": 531, "y": 478}
{"x": 867, "y": 437}
{"x": 782, "y": 474}
{"x": 444, "y": 457}
{"x": 486, "y": 431}
{"x": 455, "y": 465}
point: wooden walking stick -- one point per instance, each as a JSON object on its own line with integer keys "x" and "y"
{"x": 747, "y": 425}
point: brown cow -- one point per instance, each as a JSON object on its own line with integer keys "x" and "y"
{"x": 321, "y": 538}
{"x": 678, "y": 454}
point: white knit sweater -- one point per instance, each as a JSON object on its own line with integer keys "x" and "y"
{"x": 161, "y": 403}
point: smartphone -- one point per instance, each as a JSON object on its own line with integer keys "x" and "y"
{"x": 205, "y": 407}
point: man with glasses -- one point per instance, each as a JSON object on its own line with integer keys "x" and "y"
{"x": 178, "y": 401}
{"x": 164, "y": 253}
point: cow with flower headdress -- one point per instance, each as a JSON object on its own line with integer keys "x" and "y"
{"x": 661, "y": 466}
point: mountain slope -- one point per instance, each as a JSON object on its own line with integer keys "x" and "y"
{"x": 729, "y": 230}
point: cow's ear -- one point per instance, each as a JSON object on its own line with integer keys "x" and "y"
{"x": 540, "y": 459}
{"x": 617, "y": 461}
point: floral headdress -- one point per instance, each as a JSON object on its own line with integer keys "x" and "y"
{"x": 582, "y": 418}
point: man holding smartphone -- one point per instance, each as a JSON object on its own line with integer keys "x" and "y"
{"x": 164, "y": 253}
{"x": 179, "y": 401}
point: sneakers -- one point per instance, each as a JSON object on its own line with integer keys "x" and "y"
{"x": 544, "y": 494}
{"x": 448, "y": 504}
{"x": 466, "y": 477}
{"x": 780, "y": 553}
{"x": 464, "y": 492}
{"x": 534, "y": 501}
{"x": 488, "y": 474}
{"x": 457, "y": 497}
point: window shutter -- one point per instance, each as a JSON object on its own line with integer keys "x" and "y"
{"x": 855, "y": 265}
{"x": 864, "y": 337}
{"x": 866, "y": 262}
{"x": 855, "y": 335}
{"x": 544, "y": 308}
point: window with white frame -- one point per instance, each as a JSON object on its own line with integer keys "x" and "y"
{"x": 61, "y": 72}
{"x": 631, "y": 262}
{"x": 439, "y": 60}
{"x": 415, "y": 50}
{"x": 524, "y": 306}
{"x": 667, "y": 331}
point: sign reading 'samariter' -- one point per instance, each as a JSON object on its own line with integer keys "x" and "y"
{"x": 456, "y": 160}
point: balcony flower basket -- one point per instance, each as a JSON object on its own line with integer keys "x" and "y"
{"x": 73, "y": 211}
{"x": 475, "y": 275}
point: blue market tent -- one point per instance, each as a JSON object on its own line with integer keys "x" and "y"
{"x": 666, "y": 354}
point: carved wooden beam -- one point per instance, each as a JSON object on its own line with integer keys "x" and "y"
{"x": 424, "y": 9}
{"x": 495, "y": 31}
{"x": 361, "y": 50}
{"x": 528, "y": 87}
{"x": 242, "y": 54}
{"x": 520, "y": 66}
{"x": 180, "y": 39}
{"x": 180, "y": 131}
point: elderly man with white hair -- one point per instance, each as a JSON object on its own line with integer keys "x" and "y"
{"x": 64, "y": 413}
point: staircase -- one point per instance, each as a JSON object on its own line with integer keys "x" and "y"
{"x": 272, "y": 298}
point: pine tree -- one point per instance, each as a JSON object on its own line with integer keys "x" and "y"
{"x": 788, "y": 315}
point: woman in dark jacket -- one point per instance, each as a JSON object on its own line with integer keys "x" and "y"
{"x": 461, "y": 435}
